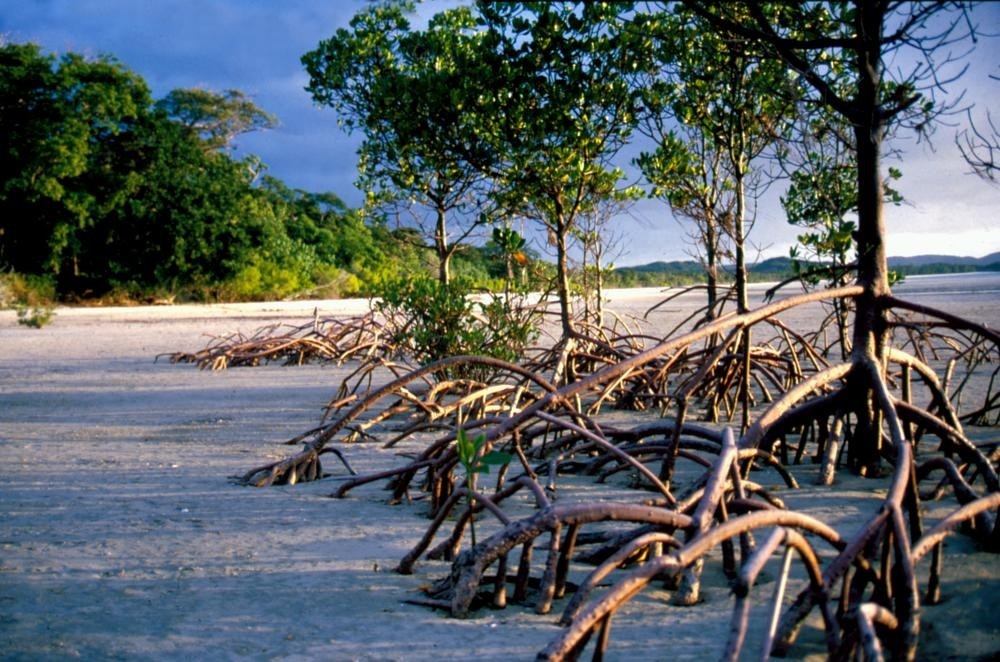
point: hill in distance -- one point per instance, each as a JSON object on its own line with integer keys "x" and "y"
{"x": 782, "y": 266}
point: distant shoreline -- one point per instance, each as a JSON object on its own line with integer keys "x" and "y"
{"x": 360, "y": 306}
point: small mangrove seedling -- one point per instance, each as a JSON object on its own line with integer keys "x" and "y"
{"x": 475, "y": 462}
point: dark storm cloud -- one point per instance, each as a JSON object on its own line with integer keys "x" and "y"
{"x": 219, "y": 44}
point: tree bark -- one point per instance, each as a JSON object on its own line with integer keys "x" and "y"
{"x": 739, "y": 239}
{"x": 562, "y": 270}
{"x": 711, "y": 261}
{"x": 870, "y": 332}
{"x": 442, "y": 248}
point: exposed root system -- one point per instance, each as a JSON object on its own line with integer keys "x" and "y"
{"x": 697, "y": 495}
{"x": 322, "y": 340}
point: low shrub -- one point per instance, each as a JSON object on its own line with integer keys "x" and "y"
{"x": 32, "y": 297}
{"x": 432, "y": 321}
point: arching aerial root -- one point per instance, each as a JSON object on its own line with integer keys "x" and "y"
{"x": 548, "y": 396}
{"x": 322, "y": 340}
{"x": 875, "y": 571}
{"x": 877, "y": 605}
{"x": 719, "y": 495}
{"x": 787, "y": 540}
{"x": 866, "y": 593}
{"x": 316, "y": 440}
{"x": 597, "y": 616}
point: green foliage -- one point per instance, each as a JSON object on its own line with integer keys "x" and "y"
{"x": 511, "y": 248}
{"x": 34, "y": 317}
{"x": 192, "y": 220}
{"x": 839, "y": 53}
{"x": 432, "y": 321}
{"x": 471, "y": 457}
{"x": 507, "y": 325}
{"x": 352, "y": 257}
{"x": 428, "y": 318}
{"x": 30, "y": 296}
{"x": 822, "y": 197}
{"x": 408, "y": 92}
{"x": 509, "y": 241}
{"x": 559, "y": 108}
{"x": 214, "y": 118}
{"x": 56, "y": 117}
{"x": 474, "y": 461}
{"x": 19, "y": 289}
{"x": 106, "y": 192}
{"x": 733, "y": 103}
{"x": 334, "y": 283}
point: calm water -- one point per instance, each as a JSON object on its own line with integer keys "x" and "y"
{"x": 975, "y": 296}
{"x": 979, "y": 283}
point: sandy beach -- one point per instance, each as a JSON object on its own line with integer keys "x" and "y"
{"x": 123, "y": 537}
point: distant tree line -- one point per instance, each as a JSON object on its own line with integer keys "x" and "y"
{"x": 106, "y": 192}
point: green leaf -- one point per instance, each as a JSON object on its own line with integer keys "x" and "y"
{"x": 496, "y": 458}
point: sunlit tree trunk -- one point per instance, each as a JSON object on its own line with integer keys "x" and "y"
{"x": 742, "y": 300}
{"x": 711, "y": 261}
{"x": 441, "y": 246}
{"x": 562, "y": 270}
{"x": 739, "y": 242}
{"x": 599, "y": 286}
{"x": 870, "y": 326}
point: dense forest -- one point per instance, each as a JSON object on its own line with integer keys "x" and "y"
{"x": 110, "y": 194}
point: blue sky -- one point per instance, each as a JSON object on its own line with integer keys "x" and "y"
{"x": 255, "y": 46}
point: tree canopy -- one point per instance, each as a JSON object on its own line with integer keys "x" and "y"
{"x": 108, "y": 192}
{"x": 407, "y": 92}
{"x": 560, "y": 108}
{"x": 215, "y": 118}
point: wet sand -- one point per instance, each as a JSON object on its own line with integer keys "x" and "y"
{"x": 121, "y": 536}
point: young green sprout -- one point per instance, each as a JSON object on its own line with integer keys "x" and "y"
{"x": 471, "y": 459}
